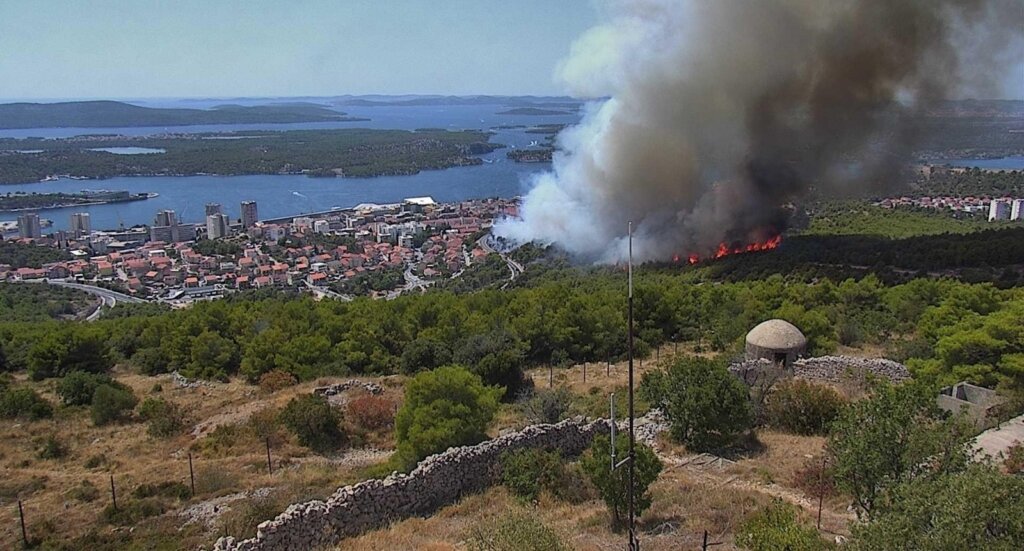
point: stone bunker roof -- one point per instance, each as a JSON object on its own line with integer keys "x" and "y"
{"x": 776, "y": 334}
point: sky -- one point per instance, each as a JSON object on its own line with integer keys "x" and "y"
{"x": 84, "y": 49}
{"x": 53, "y": 49}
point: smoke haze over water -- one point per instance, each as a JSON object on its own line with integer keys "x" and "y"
{"x": 722, "y": 111}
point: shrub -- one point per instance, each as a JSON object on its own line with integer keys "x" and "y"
{"x": 51, "y": 448}
{"x": 814, "y": 479}
{"x": 132, "y": 512}
{"x": 111, "y": 403}
{"x": 23, "y": 403}
{"x": 896, "y": 435}
{"x": 525, "y": 472}
{"x": 707, "y": 406}
{"x": 164, "y": 418}
{"x": 76, "y": 388}
{"x": 95, "y": 461}
{"x": 275, "y": 380}
{"x": 1014, "y": 462}
{"x": 548, "y": 405}
{"x": 776, "y": 528}
{"x": 85, "y": 492}
{"x": 613, "y": 486}
{"x": 803, "y": 407}
{"x": 316, "y": 424}
{"x": 515, "y": 531}
{"x": 244, "y": 516}
{"x": 979, "y": 508}
{"x": 446, "y": 407}
{"x": 168, "y": 489}
{"x": 371, "y": 413}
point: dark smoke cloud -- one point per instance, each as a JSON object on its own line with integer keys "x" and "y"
{"x": 722, "y": 111}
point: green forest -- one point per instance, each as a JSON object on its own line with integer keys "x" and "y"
{"x": 40, "y": 302}
{"x": 348, "y": 152}
{"x": 945, "y": 330}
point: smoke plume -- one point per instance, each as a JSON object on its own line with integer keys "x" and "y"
{"x": 722, "y": 111}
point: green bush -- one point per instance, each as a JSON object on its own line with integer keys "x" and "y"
{"x": 51, "y": 448}
{"x": 979, "y": 508}
{"x": 613, "y": 486}
{"x": 76, "y": 388}
{"x": 515, "y": 531}
{"x": 164, "y": 418}
{"x": 776, "y": 528}
{"x": 23, "y": 403}
{"x": 548, "y": 405}
{"x": 446, "y": 407}
{"x": 803, "y": 407}
{"x": 896, "y": 435}
{"x": 316, "y": 424}
{"x": 525, "y": 472}
{"x": 707, "y": 406}
{"x": 111, "y": 403}
{"x": 133, "y": 511}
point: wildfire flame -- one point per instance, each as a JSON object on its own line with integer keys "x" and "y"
{"x": 724, "y": 249}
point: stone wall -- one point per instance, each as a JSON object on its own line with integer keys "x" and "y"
{"x": 437, "y": 481}
{"x": 832, "y": 369}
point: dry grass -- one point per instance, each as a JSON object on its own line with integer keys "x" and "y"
{"x": 48, "y": 487}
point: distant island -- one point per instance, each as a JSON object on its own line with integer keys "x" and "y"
{"x": 357, "y": 152}
{"x": 41, "y": 201}
{"x": 533, "y": 112}
{"x": 99, "y": 114}
{"x": 531, "y": 155}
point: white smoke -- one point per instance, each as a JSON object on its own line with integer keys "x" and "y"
{"x": 723, "y": 110}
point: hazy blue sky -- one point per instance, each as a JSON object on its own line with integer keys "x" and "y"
{"x": 223, "y": 48}
{"x": 148, "y": 48}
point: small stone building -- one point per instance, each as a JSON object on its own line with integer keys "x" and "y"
{"x": 978, "y": 403}
{"x": 777, "y": 341}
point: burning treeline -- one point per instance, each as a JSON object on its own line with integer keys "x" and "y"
{"x": 720, "y": 112}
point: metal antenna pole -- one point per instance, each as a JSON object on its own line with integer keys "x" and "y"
{"x": 634, "y": 545}
{"x": 611, "y": 407}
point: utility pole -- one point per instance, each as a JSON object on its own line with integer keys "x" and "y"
{"x": 634, "y": 545}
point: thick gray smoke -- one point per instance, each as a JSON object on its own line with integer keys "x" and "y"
{"x": 722, "y": 111}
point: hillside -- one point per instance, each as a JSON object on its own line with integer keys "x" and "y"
{"x": 99, "y": 114}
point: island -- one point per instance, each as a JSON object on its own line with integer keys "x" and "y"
{"x": 533, "y": 112}
{"x": 106, "y": 114}
{"x": 531, "y": 155}
{"x": 41, "y": 201}
{"x": 342, "y": 152}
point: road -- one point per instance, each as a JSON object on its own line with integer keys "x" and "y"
{"x": 514, "y": 267}
{"x": 109, "y": 297}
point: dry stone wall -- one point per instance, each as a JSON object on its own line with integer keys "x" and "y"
{"x": 437, "y": 481}
{"x": 833, "y": 369}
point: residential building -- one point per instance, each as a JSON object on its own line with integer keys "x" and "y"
{"x": 213, "y": 208}
{"x": 998, "y": 210}
{"x": 1017, "y": 209}
{"x": 249, "y": 214}
{"x": 81, "y": 224}
{"x": 165, "y": 218}
{"x": 29, "y": 226}
{"x": 217, "y": 226}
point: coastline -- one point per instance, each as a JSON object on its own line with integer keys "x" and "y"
{"x": 137, "y": 197}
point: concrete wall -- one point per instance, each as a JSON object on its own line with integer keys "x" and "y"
{"x": 437, "y": 481}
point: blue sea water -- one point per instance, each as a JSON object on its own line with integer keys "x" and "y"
{"x": 278, "y": 196}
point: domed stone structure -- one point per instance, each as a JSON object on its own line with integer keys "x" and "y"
{"x": 776, "y": 340}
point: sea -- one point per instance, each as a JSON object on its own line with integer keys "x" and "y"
{"x": 278, "y": 196}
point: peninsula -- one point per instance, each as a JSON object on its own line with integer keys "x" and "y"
{"x": 108, "y": 114}
{"x": 11, "y": 202}
{"x": 345, "y": 152}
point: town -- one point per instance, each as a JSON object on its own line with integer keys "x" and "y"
{"x": 372, "y": 249}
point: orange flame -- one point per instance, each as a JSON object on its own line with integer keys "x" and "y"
{"x": 725, "y": 250}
